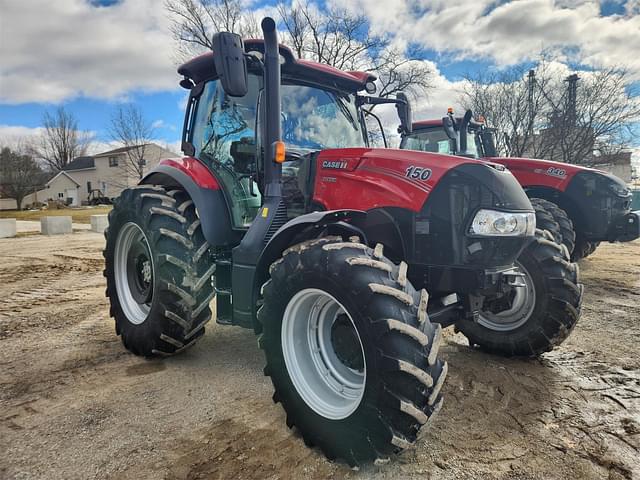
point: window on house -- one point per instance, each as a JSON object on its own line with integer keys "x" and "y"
{"x": 113, "y": 161}
{"x": 60, "y": 195}
{"x": 88, "y": 187}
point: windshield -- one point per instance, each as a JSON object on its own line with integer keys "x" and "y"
{"x": 316, "y": 119}
{"x": 432, "y": 140}
{"x": 436, "y": 140}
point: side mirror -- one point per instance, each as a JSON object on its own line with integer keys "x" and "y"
{"x": 449, "y": 127}
{"x": 230, "y": 63}
{"x": 404, "y": 112}
{"x": 488, "y": 143}
{"x": 464, "y": 124}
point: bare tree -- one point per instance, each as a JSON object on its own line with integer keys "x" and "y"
{"x": 538, "y": 116}
{"x": 593, "y": 117}
{"x": 131, "y": 130}
{"x": 195, "y": 21}
{"x": 398, "y": 72}
{"x": 509, "y": 106}
{"x": 61, "y": 141}
{"x": 20, "y": 175}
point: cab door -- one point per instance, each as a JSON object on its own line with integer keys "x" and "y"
{"x": 224, "y": 138}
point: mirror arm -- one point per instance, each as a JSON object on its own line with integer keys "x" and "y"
{"x": 365, "y": 100}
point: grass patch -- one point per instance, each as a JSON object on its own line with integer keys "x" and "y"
{"x": 78, "y": 215}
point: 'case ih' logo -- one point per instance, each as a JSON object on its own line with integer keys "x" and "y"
{"x": 336, "y": 165}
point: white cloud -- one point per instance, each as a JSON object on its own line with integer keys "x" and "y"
{"x": 52, "y": 51}
{"x": 161, "y": 124}
{"x": 17, "y": 137}
{"x": 512, "y": 32}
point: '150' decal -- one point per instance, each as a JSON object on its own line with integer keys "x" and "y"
{"x": 418, "y": 173}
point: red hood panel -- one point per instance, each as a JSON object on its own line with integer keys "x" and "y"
{"x": 532, "y": 172}
{"x": 366, "y": 178}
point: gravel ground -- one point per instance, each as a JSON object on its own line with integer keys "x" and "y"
{"x": 75, "y": 404}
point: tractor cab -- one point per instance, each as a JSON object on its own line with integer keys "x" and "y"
{"x": 320, "y": 109}
{"x": 452, "y": 135}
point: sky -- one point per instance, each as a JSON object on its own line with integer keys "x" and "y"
{"x": 93, "y": 55}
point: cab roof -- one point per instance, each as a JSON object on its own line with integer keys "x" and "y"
{"x": 436, "y": 122}
{"x": 202, "y": 68}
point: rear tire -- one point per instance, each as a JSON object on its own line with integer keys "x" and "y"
{"x": 157, "y": 270}
{"x": 564, "y": 232}
{"x": 554, "y": 306}
{"x": 393, "y": 377}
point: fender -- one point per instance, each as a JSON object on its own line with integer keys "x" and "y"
{"x": 299, "y": 229}
{"x": 204, "y": 189}
{"x": 314, "y": 221}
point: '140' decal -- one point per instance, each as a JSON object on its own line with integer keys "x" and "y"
{"x": 556, "y": 172}
{"x": 418, "y": 173}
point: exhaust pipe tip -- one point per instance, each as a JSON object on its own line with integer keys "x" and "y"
{"x": 268, "y": 25}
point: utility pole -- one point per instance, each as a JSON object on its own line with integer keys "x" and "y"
{"x": 572, "y": 91}
{"x": 531, "y": 83}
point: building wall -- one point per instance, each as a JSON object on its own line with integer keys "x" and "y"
{"x": 8, "y": 204}
{"x": 622, "y": 171}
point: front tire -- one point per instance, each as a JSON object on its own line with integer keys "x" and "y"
{"x": 349, "y": 349}
{"x": 541, "y": 314}
{"x": 157, "y": 270}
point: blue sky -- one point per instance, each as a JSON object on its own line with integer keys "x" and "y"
{"x": 97, "y": 54}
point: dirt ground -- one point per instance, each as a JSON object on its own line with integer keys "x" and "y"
{"x": 75, "y": 404}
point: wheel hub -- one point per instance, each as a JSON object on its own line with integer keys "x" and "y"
{"x": 514, "y": 309}
{"x": 133, "y": 271}
{"x": 346, "y": 343}
{"x": 323, "y": 353}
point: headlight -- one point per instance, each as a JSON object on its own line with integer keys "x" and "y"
{"x": 492, "y": 223}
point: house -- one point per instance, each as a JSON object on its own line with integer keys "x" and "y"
{"x": 110, "y": 172}
{"x": 61, "y": 187}
{"x": 114, "y": 170}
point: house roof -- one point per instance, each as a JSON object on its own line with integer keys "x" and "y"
{"x": 61, "y": 172}
{"x": 116, "y": 151}
{"x": 80, "y": 163}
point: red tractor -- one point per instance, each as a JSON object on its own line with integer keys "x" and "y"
{"x": 302, "y": 232}
{"x": 580, "y": 206}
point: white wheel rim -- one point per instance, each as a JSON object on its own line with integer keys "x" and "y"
{"x": 518, "y": 314}
{"x": 326, "y": 384}
{"x": 130, "y": 234}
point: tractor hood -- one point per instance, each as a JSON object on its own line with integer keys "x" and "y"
{"x": 383, "y": 177}
{"x": 532, "y": 172}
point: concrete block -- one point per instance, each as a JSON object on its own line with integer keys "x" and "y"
{"x": 99, "y": 223}
{"x": 55, "y": 225}
{"x": 7, "y": 227}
